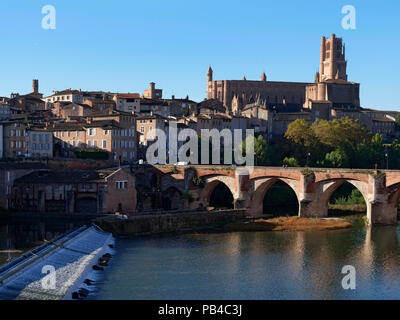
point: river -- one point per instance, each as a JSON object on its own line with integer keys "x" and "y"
{"x": 255, "y": 265}
{"x": 20, "y": 234}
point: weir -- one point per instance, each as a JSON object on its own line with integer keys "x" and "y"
{"x": 54, "y": 270}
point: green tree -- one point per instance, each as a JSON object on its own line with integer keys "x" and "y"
{"x": 341, "y": 131}
{"x": 394, "y": 154}
{"x": 299, "y": 132}
{"x": 337, "y": 159}
{"x": 364, "y": 156}
{"x": 377, "y": 148}
{"x": 291, "y": 162}
{"x": 260, "y": 151}
{"x": 397, "y": 123}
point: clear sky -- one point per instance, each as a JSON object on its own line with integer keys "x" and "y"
{"x": 122, "y": 45}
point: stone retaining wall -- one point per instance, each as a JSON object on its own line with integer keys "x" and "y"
{"x": 154, "y": 224}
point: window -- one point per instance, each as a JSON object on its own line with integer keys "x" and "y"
{"x": 89, "y": 143}
{"x": 104, "y": 144}
{"x": 121, "y": 185}
{"x": 142, "y": 129}
{"x": 95, "y": 143}
{"x": 92, "y": 131}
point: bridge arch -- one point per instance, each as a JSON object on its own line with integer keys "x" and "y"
{"x": 327, "y": 188}
{"x": 261, "y": 187}
{"x": 169, "y": 181}
{"x": 211, "y": 182}
{"x": 172, "y": 199}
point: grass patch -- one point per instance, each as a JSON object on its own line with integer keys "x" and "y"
{"x": 357, "y": 220}
{"x": 348, "y": 207}
{"x": 289, "y": 224}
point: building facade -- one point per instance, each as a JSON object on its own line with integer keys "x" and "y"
{"x": 235, "y": 94}
{"x": 127, "y": 102}
{"x": 76, "y": 192}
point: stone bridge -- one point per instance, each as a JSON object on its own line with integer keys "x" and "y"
{"x": 312, "y": 186}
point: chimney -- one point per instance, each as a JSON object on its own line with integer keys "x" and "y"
{"x": 35, "y": 86}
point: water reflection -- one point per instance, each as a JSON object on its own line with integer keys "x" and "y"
{"x": 269, "y": 265}
{"x": 18, "y": 236}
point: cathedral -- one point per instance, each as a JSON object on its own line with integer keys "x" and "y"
{"x": 330, "y": 88}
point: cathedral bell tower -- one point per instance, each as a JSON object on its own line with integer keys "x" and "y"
{"x": 333, "y": 62}
{"x": 209, "y": 74}
{"x": 210, "y": 83}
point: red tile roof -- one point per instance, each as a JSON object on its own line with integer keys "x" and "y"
{"x": 128, "y": 95}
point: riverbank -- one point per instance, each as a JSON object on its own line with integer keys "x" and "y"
{"x": 170, "y": 223}
{"x": 289, "y": 224}
{"x": 222, "y": 221}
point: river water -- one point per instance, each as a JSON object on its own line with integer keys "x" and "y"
{"x": 20, "y": 235}
{"x": 255, "y": 265}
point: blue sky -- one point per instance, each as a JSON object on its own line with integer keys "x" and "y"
{"x": 123, "y": 45}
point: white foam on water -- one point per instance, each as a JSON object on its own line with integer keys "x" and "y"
{"x": 71, "y": 261}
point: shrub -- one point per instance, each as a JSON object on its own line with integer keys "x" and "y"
{"x": 290, "y": 162}
{"x": 355, "y": 197}
{"x": 187, "y": 196}
{"x": 198, "y": 181}
{"x": 174, "y": 170}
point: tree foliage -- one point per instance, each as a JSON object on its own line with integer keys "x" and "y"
{"x": 338, "y": 143}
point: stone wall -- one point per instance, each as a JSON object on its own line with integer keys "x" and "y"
{"x": 79, "y": 164}
{"x": 153, "y": 224}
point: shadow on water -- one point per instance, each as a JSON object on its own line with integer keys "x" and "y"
{"x": 20, "y": 234}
